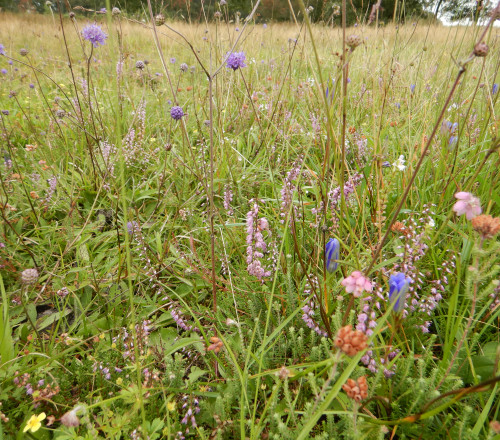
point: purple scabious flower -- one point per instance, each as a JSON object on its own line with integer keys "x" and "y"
{"x": 4, "y": 71}
{"x": 94, "y": 34}
{"x": 236, "y": 60}
{"x": 2, "y": 49}
{"x": 332, "y": 253}
{"x": 176, "y": 112}
{"x": 398, "y": 288}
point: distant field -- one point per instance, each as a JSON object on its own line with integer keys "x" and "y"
{"x": 237, "y": 233}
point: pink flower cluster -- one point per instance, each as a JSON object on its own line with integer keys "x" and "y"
{"x": 356, "y": 283}
{"x": 256, "y": 244}
{"x": 467, "y": 204}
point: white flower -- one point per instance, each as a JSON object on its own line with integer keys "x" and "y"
{"x": 400, "y": 163}
{"x": 431, "y": 223}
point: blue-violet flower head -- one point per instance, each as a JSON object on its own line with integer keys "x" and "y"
{"x": 236, "y": 60}
{"x": 176, "y": 112}
{"x": 332, "y": 254}
{"x": 398, "y": 288}
{"x": 94, "y": 34}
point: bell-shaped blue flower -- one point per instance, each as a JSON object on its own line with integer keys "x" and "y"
{"x": 332, "y": 253}
{"x": 398, "y": 288}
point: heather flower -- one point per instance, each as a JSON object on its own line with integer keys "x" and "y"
{"x": 176, "y": 113}
{"x": 332, "y": 253}
{"x": 357, "y": 283}
{"x": 351, "y": 341}
{"x": 398, "y": 288}
{"x": 94, "y": 34}
{"x": 236, "y": 60}
{"x": 356, "y": 389}
{"x": 34, "y": 423}
{"x": 467, "y": 204}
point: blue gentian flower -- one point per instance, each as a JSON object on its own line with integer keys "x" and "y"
{"x": 494, "y": 89}
{"x": 332, "y": 253}
{"x": 398, "y": 288}
{"x": 412, "y": 88}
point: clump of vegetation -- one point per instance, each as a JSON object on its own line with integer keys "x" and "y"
{"x": 230, "y": 230}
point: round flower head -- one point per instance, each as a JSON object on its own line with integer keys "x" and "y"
{"x": 29, "y": 276}
{"x": 467, "y": 204}
{"x": 236, "y": 60}
{"x": 356, "y": 283}
{"x": 176, "y": 112}
{"x": 2, "y": 49}
{"x": 94, "y": 34}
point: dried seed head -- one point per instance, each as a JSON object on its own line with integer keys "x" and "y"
{"x": 159, "y": 19}
{"x": 23, "y": 52}
{"x": 351, "y": 341}
{"x": 60, "y": 113}
{"x": 140, "y": 65}
{"x": 353, "y": 41}
{"x": 357, "y": 390}
{"x": 115, "y": 11}
{"x": 72, "y": 15}
{"x": 486, "y": 225}
{"x": 481, "y": 49}
{"x": 217, "y": 14}
{"x": 29, "y": 276}
{"x": 284, "y": 373}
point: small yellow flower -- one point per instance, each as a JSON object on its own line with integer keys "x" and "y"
{"x": 171, "y": 406}
{"x": 102, "y": 335}
{"x": 34, "y": 424}
{"x": 113, "y": 345}
{"x": 119, "y": 381}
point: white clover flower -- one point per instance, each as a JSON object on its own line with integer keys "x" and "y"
{"x": 400, "y": 163}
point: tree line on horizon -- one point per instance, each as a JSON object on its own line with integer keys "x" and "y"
{"x": 320, "y": 11}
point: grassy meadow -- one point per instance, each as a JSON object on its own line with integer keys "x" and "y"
{"x": 302, "y": 244}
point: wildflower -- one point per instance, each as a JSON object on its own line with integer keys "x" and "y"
{"x": 357, "y": 390}
{"x": 400, "y": 163}
{"x": 486, "y": 225}
{"x": 173, "y": 60}
{"x": 23, "y": 52}
{"x": 353, "y": 41}
{"x": 94, "y": 34}
{"x": 216, "y": 345}
{"x": 332, "y": 253}
{"x": 5, "y": 112}
{"x": 412, "y": 88}
{"x": 453, "y": 140}
{"x": 176, "y": 112}
{"x": 115, "y": 11}
{"x": 398, "y": 288}
{"x": 34, "y": 423}
{"x": 481, "y": 50}
{"x": 494, "y": 88}
{"x": 70, "y": 418}
{"x": 235, "y": 60}
{"x": 351, "y": 341}
{"x": 357, "y": 283}
{"x": 29, "y": 276}
{"x": 4, "y": 71}
{"x": 2, "y": 49}
{"x": 184, "y": 67}
{"x": 171, "y": 406}
{"x": 140, "y": 65}
{"x": 159, "y": 19}
{"x": 467, "y": 204}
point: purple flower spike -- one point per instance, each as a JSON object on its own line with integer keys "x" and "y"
{"x": 398, "y": 288}
{"x": 94, "y": 34}
{"x": 236, "y": 60}
{"x": 176, "y": 112}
